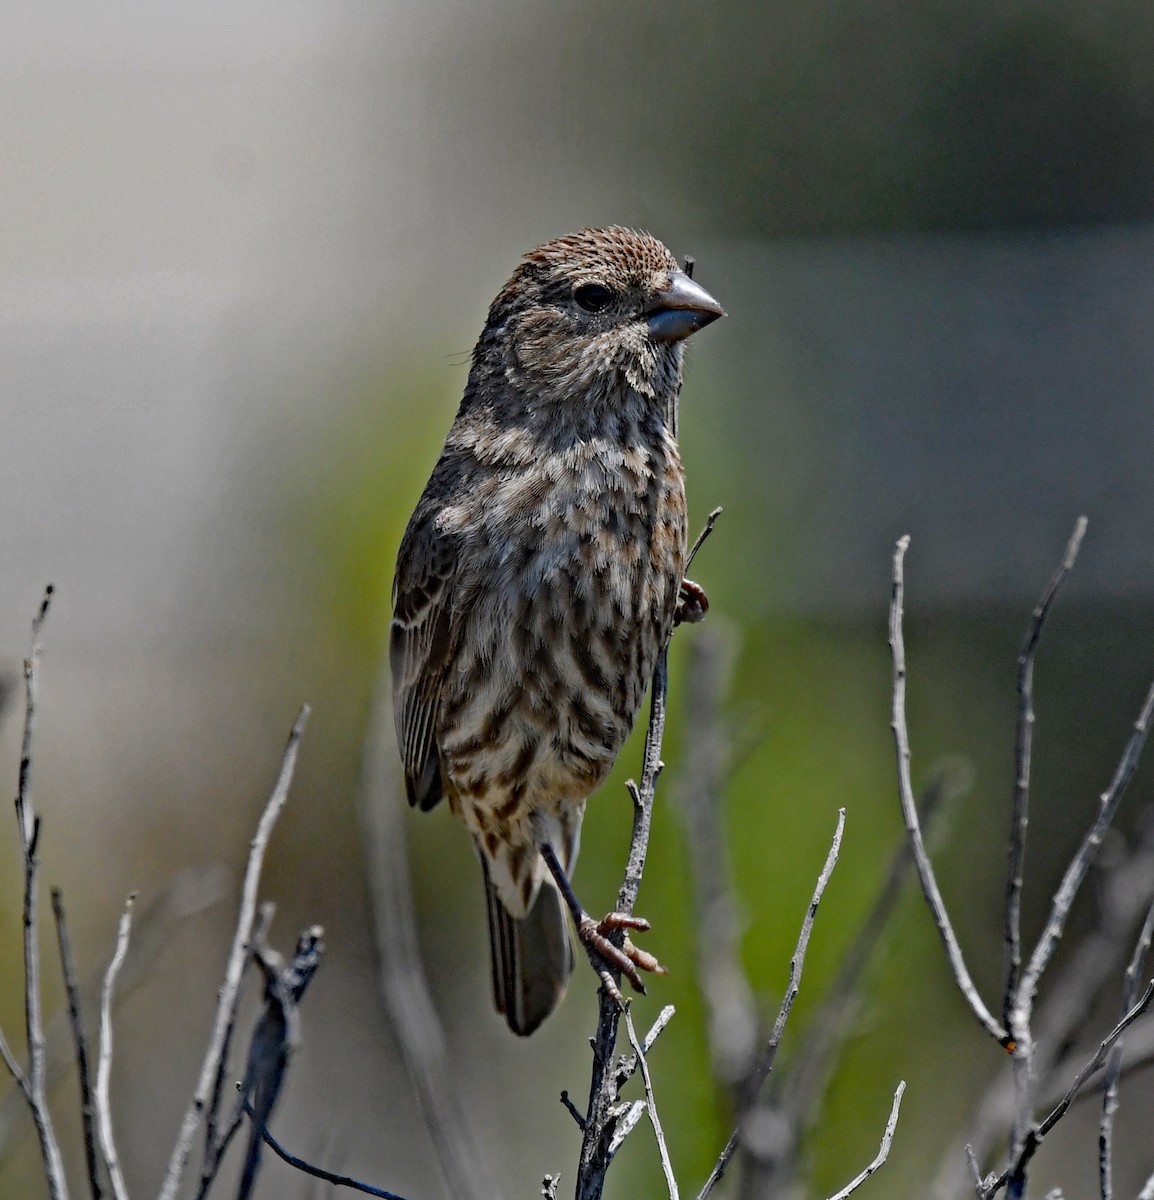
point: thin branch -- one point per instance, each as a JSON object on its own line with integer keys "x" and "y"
{"x": 1114, "y": 1063}
{"x": 1072, "y": 996}
{"x": 1015, "y": 1175}
{"x": 190, "y": 892}
{"x": 765, "y": 1064}
{"x": 651, "y": 1106}
{"x": 801, "y": 1090}
{"x": 80, "y": 1040}
{"x": 318, "y": 1172}
{"x": 1022, "y": 758}
{"x": 1076, "y": 871}
{"x": 599, "y": 1140}
{"x": 211, "y": 1072}
{"x": 883, "y": 1151}
{"x": 33, "y": 1082}
{"x": 925, "y": 868}
{"x": 710, "y": 521}
{"x": 104, "y": 1061}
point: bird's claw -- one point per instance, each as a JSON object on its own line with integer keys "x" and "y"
{"x": 626, "y": 958}
{"x": 692, "y": 604}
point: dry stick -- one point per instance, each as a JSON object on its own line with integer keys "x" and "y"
{"x": 212, "y": 1069}
{"x": 1014, "y": 1177}
{"x": 883, "y": 1151}
{"x": 1128, "y": 891}
{"x": 599, "y": 1141}
{"x": 80, "y": 1040}
{"x": 404, "y": 988}
{"x": 1015, "y": 1016}
{"x": 190, "y": 892}
{"x": 1076, "y": 871}
{"x": 318, "y": 1172}
{"x": 910, "y": 813}
{"x": 104, "y": 1061}
{"x": 1022, "y": 759}
{"x": 651, "y": 1105}
{"x": 804, "y": 1086}
{"x": 765, "y": 1064}
{"x": 33, "y": 1082}
{"x": 1114, "y": 1063}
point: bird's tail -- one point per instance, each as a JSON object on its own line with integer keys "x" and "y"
{"x": 532, "y": 956}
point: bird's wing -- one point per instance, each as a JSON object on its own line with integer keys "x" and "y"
{"x": 420, "y": 648}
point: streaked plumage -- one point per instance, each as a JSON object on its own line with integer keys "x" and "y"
{"x": 539, "y": 574}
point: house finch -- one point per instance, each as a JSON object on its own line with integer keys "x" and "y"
{"x": 538, "y": 580}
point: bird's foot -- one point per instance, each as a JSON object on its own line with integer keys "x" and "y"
{"x": 692, "y": 604}
{"x": 626, "y": 958}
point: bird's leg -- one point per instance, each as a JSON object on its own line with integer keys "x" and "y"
{"x": 692, "y": 604}
{"x": 594, "y": 936}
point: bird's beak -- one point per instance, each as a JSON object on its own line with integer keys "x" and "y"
{"x": 682, "y": 308}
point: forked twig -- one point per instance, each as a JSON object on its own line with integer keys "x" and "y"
{"x": 651, "y": 1106}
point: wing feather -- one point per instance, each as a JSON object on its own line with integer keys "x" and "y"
{"x": 421, "y": 640}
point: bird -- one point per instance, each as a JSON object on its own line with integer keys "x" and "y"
{"x": 537, "y": 581}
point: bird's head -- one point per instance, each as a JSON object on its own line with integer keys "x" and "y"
{"x": 585, "y": 313}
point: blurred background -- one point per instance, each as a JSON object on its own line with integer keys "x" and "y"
{"x": 244, "y": 256}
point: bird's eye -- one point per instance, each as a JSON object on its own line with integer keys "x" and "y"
{"x": 593, "y": 297}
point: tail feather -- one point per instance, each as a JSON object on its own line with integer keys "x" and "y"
{"x": 532, "y": 956}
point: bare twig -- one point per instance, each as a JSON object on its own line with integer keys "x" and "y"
{"x": 802, "y": 1088}
{"x": 757, "y": 1076}
{"x": 1114, "y": 1063}
{"x": 883, "y": 1151}
{"x": 925, "y": 868}
{"x": 1014, "y": 1177}
{"x": 206, "y": 1098}
{"x": 318, "y": 1172}
{"x": 190, "y": 892}
{"x": 605, "y": 1122}
{"x": 1022, "y": 756}
{"x": 1076, "y": 871}
{"x": 1016, "y": 1014}
{"x": 599, "y": 1142}
{"x": 710, "y": 521}
{"x": 1125, "y": 896}
{"x": 104, "y": 1060}
{"x": 80, "y": 1041}
{"x": 274, "y": 1040}
{"x": 651, "y": 1106}
{"x": 403, "y": 985}
{"x": 32, "y": 1083}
